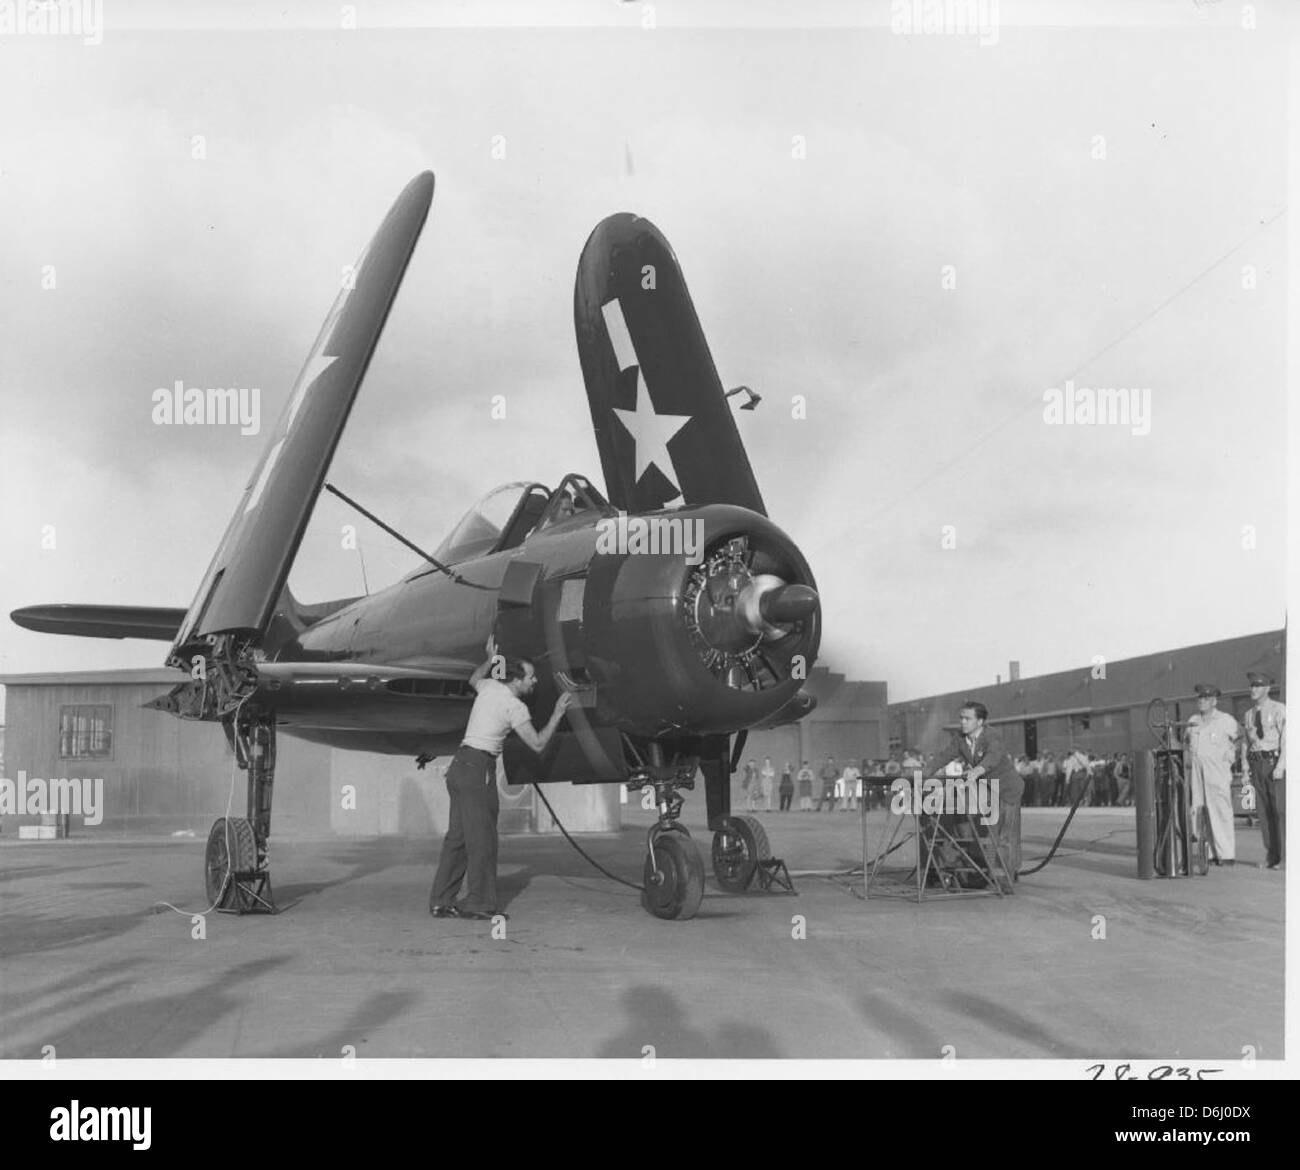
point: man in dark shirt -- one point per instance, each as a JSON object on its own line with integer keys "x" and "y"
{"x": 980, "y": 751}
{"x": 829, "y": 774}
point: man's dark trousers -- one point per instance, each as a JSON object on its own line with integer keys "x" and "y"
{"x": 470, "y": 846}
{"x": 1270, "y": 803}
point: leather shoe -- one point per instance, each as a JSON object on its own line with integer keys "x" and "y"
{"x": 444, "y": 911}
{"x": 480, "y": 915}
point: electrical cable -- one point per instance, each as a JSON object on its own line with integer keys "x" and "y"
{"x": 591, "y": 860}
{"x": 1087, "y": 787}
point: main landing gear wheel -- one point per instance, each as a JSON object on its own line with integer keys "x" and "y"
{"x": 673, "y": 877}
{"x": 231, "y": 849}
{"x": 738, "y": 847}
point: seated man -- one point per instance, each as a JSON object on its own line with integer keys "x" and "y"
{"x": 979, "y": 750}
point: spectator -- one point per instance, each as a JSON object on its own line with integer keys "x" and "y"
{"x": 768, "y": 778}
{"x": 787, "y": 786}
{"x": 1074, "y": 769}
{"x": 805, "y": 777}
{"x": 830, "y": 774}
{"x": 1052, "y": 779}
{"x": 848, "y": 780}
{"x": 1031, "y": 781}
{"x": 749, "y": 785}
{"x": 1123, "y": 780}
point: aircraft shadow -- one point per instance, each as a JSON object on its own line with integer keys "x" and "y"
{"x": 656, "y": 1019}
{"x": 365, "y": 1019}
{"x": 132, "y": 1029}
{"x": 25, "y": 934}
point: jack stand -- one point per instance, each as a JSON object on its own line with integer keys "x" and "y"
{"x": 772, "y": 871}
{"x": 250, "y": 893}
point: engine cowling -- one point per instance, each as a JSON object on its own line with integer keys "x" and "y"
{"x": 705, "y": 641}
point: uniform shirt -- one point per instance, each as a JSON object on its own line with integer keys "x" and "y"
{"x": 496, "y": 713}
{"x": 1272, "y": 718}
{"x": 1210, "y": 737}
{"x": 829, "y": 774}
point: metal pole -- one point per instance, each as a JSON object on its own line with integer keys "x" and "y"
{"x": 1144, "y": 806}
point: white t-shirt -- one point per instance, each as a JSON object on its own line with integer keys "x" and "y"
{"x": 496, "y": 713}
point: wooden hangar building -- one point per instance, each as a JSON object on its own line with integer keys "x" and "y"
{"x": 162, "y": 774}
{"x": 1100, "y": 707}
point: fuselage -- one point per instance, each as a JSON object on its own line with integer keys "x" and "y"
{"x": 621, "y": 628}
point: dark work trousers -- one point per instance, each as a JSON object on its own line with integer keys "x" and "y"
{"x": 1270, "y": 803}
{"x": 787, "y": 795}
{"x": 470, "y": 846}
{"x": 1008, "y": 831}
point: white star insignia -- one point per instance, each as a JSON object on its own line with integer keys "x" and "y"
{"x": 316, "y": 365}
{"x": 651, "y": 432}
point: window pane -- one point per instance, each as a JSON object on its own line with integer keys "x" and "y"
{"x": 86, "y": 731}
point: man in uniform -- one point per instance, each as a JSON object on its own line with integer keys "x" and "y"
{"x": 1264, "y": 748}
{"x": 1211, "y": 746}
{"x": 470, "y": 846}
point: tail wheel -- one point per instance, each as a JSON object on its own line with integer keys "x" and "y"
{"x": 674, "y": 879}
{"x": 231, "y": 849}
{"x": 738, "y": 847}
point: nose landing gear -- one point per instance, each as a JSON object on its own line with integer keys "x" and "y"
{"x": 673, "y": 876}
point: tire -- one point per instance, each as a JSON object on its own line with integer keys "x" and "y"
{"x": 231, "y": 848}
{"x": 738, "y": 847}
{"x": 676, "y": 887}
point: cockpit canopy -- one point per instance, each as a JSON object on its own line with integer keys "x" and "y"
{"x": 507, "y": 515}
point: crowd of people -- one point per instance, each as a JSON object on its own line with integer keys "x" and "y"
{"x": 831, "y": 786}
{"x": 1051, "y": 779}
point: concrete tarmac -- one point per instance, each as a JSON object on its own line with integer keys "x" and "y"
{"x": 1188, "y": 968}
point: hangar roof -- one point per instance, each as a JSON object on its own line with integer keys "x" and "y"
{"x": 148, "y": 675}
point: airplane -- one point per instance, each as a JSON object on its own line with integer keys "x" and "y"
{"x": 672, "y": 658}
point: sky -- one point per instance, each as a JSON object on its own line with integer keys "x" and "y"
{"x": 919, "y": 234}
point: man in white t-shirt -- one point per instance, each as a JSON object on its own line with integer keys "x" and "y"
{"x": 470, "y": 846}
